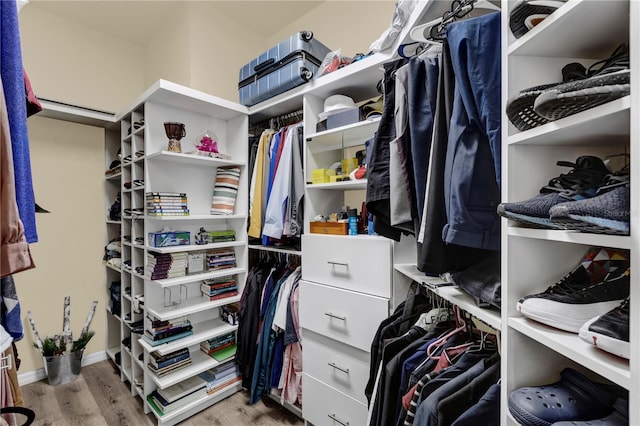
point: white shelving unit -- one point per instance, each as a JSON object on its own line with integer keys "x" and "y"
{"x": 164, "y": 171}
{"x": 533, "y": 259}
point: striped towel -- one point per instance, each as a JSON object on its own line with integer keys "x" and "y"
{"x": 225, "y": 190}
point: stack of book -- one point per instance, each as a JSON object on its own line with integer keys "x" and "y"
{"x": 164, "y": 364}
{"x": 167, "y": 400}
{"x": 219, "y": 288}
{"x": 223, "y": 236}
{"x": 166, "y": 265}
{"x": 157, "y": 332}
{"x": 221, "y": 258}
{"x": 218, "y": 343}
{"x": 166, "y": 204}
{"x": 220, "y": 377}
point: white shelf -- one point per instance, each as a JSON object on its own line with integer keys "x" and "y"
{"x": 111, "y": 352}
{"x": 575, "y": 237}
{"x": 342, "y": 137}
{"x": 590, "y": 127}
{"x": 168, "y": 282}
{"x": 198, "y": 217}
{"x": 195, "y": 247}
{"x": 571, "y": 346}
{"x": 192, "y": 160}
{"x": 342, "y": 186}
{"x": 182, "y": 97}
{"x": 275, "y": 249}
{"x": 113, "y": 177}
{"x": 191, "y": 306}
{"x": 453, "y": 294}
{"x": 353, "y": 80}
{"x": 588, "y": 29}
{"x": 113, "y": 222}
{"x": 201, "y": 332}
{"x": 204, "y": 401}
{"x": 199, "y": 362}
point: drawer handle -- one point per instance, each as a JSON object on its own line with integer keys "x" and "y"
{"x": 334, "y": 418}
{"x": 329, "y": 314}
{"x": 333, "y": 364}
{"x": 330, "y": 262}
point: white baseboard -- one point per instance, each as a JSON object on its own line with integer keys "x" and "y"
{"x": 40, "y": 374}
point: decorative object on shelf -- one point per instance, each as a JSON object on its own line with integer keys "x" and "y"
{"x": 175, "y": 132}
{"x": 207, "y": 144}
{"x": 61, "y": 354}
{"x": 169, "y": 238}
{"x": 225, "y": 190}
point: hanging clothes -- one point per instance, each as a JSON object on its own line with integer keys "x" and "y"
{"x": 256, "y": 201}
{"x": 15, "y": 255}
{"x": 13, "y": 82}
{"x": 473, "y": 164}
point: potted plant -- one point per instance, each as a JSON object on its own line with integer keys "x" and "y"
{"x": 61, "y": 355}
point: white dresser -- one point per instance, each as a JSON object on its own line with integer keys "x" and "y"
{"x": 344, "y": 295}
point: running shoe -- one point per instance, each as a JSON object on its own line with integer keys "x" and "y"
{"x": 610, "y": 331}
{"x": 581, "y": 182}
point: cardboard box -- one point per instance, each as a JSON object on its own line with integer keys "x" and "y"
{"x": 335, "y": 228}
{"x": 322, "y": 175}
{"x": 169, "y": 239}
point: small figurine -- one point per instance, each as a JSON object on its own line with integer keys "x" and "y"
{"x": 203, "y": 237}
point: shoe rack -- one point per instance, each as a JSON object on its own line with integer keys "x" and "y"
{"x": 533, "y": 259}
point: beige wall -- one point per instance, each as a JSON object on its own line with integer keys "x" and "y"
{"x": 67, "y": 160}
{"x": 70, "y": 62}
{"x": 350, "y": 26}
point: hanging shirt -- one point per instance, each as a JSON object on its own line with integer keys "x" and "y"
{"x": 257, "y": 186}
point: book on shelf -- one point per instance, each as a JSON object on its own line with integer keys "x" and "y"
{"x": 172, "y": 338}
{"x": 163, "y": 407}
{"x": 164, "y": 194}
{"x": 181, "y": 389}
{"x": 158, "y": 357}
{"x": 222, "y": 296}
{"x": 160, "y": 372}
{"x": 169, "y": 362}
{"x": 213, "y": 389}
{"x": 225, "y": 354}
{"x": 163, "y": 334}
{"x": 217, "y": 348}
{"x": 167, "y": 213}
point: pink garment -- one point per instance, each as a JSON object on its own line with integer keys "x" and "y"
{"x": 291, "y": 377}
{"x": 6, "y": 398}
{"x": 444, "y": 360}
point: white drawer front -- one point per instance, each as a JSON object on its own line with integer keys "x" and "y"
{"x": 324, "y": 406}
{"x": 355, "y": 263}
{"x": 343, "y": 315}
{"x": 340, "y": 366}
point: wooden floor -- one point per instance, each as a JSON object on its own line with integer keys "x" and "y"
{"x": 98, "y": 397}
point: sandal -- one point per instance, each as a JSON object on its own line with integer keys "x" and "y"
{"x": 574, "y": 397}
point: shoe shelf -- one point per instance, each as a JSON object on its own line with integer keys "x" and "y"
{"x": 115, "y": 177}
{"x": 201, "y": 332}
{"x": 113, "y": 268}
{"x": 199, "y": 362}
{"x": 195, "y": 247}
{"x": 575, "y": 237}
{"x": 111, "y": 352}
{"x": 608, "y": 122}
{"x": 191, "y": 306}
{"x": 571, "y": 346}
{"x": 113, "y": 222}
{"x": 570, "y": 30}
{"x": 451, "y": 293}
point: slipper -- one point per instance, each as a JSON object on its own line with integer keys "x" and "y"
{"x": 574, "y": 397}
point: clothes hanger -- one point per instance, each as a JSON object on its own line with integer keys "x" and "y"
{"x": 417, "y": 32}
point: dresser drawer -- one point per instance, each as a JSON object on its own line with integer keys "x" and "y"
{"x": 361, "y": 263}
{"x": 338, "y": 365}
{"x": 324, "y": 406}
{"x": 343, "y": 315}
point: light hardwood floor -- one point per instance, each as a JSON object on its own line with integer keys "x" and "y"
{"x": 98, "y": 397}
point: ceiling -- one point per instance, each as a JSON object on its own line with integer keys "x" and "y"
{"x": 135, "y": 21}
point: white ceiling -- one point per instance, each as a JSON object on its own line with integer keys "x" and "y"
{"x": 136, "y": 20}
